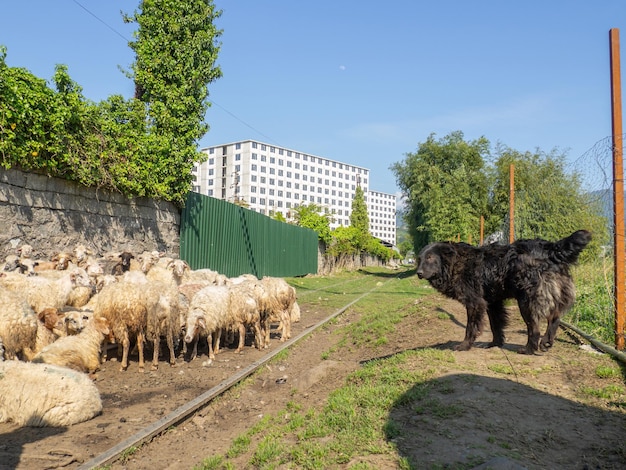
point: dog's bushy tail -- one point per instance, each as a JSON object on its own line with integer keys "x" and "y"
{"x": 567, "y": 250}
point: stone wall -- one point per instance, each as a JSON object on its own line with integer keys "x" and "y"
{"x": 55, "y": 215}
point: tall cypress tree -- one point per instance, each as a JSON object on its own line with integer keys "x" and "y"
{"x": 359, "y": 219}
{"x": 175, "y": 49}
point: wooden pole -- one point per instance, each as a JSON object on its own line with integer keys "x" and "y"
{"x": 511, "y": 203}
{"x": 618, "y": 189}
{"x": 482, "y": 230}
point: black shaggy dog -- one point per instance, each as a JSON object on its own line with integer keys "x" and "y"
{"x": 534, "y": 272}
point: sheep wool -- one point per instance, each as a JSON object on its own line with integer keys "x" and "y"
{"x": 42, "y": 395}
{"x": 18, "y": 325}
{"x": 80, "y": 352}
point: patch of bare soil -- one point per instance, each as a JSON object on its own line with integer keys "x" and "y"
{"x": 489, "y": 402}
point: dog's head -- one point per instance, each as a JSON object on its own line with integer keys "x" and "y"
{"x": 432, "y": 260}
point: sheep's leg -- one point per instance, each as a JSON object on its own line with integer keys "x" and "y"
{"x": 242, "y": 337}
{"x": 125, "y": 349}
{"x": 265, "y": 328}
{"x": 140, "y": 340}
{"x": 194, "y": 349}
{"x": 216, "y": 341}
{"x": 170, "y": 344}
{"x": 258, "y": 340}
{"x": 103, "y": 351}
{"x": 155, "y": 353}
{"x": 209, "y": 341}
{"x": 285, "y": 321}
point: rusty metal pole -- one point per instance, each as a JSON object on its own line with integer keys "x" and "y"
{"x": 618, "y": 189}
{"x": 511, "y": 203}
{"x": 482, "y": 230}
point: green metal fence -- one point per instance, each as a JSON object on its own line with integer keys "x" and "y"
{"x": 233, "y": 240}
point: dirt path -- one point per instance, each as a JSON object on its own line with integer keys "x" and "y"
{"x": 529, "y": 409}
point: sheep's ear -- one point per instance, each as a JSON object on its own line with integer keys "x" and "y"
{"x": 202, "y": 323}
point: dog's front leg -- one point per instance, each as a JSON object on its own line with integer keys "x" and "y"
{"x": 475, "y": 314}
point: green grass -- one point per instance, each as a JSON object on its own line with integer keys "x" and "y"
{"x": 359, "y": 419}
{"x": 593, "y": 312}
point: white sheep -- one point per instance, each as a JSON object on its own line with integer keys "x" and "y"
{"x": 18, "y": 326}
{"x": 163, "y": 318}
{"x": 276, "y": 305}
{"x": 125, "y": 306}
{"x": 207, "y": 316}
{"x": 42, "y": 292}
{"x": 46, "y": 395}
{"x": 59, "y": 261}
{"x": 186, "y": 294}
{"x": 23, "y": 331}
{"x": 203, "y": 275}
{"x": 243, "y": 312}
{"x": 81, "y": 351}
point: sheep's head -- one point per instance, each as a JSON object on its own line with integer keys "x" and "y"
{"x": 27, "y": 266}
{"x": 178, "y": 268}
{"x": 11, "y": 263}
{"x": 126, "y": 256}
{"x": 195, "y": 322}
{"x": 77, "y": 320}
{"x": 81, "y": 252}
{"x": 62, "y": 260}
{"x": 25, "y": 251}
{"x": 79, "y": 277}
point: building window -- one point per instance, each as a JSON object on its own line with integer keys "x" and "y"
{"x": 238, "y": 157}
{"x": 253, "y": 167}
{"x": 211, "y": 151}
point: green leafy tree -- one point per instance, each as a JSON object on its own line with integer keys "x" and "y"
{"x": 42, "y": 129}
{"x": 314, "y": 217}
{"x": 359, "y": 220}
{"x": 279, "y": 216}
{"x": 405, "y": 247}
{"x": 176, "y": 49}
{"x": 549, "y": 202}
{"x": 344, "y": 242}
{"x": 446, "y": 188}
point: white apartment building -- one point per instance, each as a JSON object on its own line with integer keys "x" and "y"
{"x": 272, "y": 179}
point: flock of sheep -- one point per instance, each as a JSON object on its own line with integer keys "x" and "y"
{"x": 58, "y": 316}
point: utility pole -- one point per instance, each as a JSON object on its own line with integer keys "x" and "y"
{"x": 618, "y": 189}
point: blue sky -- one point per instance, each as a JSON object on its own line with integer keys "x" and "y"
{"x": 363, "y": 82}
